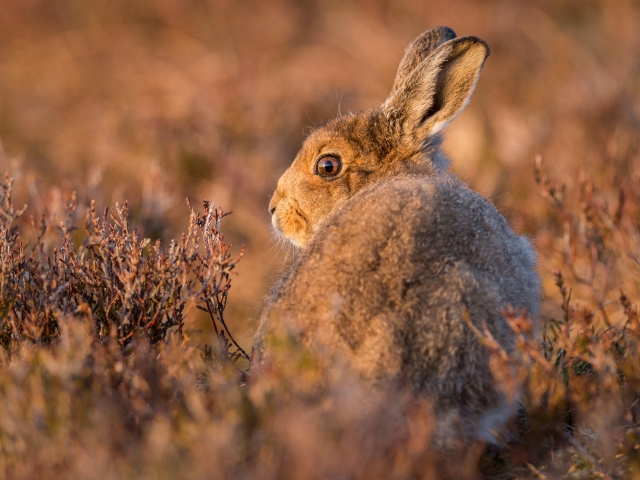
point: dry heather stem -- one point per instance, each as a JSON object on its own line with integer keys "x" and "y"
{"x": 115, "y": 278}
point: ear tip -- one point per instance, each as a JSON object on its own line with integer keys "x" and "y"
{"x": 445, "y": 32}
{"x": 434, "y": 37}
{"x": 484, "y": 44}
{"x": 471, "y": 42}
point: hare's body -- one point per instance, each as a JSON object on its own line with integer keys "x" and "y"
{"x": 385, "y": 284}
{"x": 398, "y": 254}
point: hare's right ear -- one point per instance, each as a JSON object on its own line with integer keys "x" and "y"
{"x": 437, "y": 89}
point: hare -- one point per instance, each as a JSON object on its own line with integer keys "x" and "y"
{"x": 395, "y": 252}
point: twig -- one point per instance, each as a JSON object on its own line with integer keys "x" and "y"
{"x": 229, "y": 333}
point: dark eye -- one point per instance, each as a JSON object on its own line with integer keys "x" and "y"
{"x": 329, "y": 166}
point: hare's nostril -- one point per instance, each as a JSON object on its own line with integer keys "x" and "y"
{"x": 275, "y": 199}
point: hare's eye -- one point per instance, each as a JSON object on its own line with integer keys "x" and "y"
{"x": 328, "y": 166}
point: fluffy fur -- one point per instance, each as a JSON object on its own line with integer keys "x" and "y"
{"x": 396, "y": 251}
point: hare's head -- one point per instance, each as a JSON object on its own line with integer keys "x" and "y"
{"x": 434, "y": 82}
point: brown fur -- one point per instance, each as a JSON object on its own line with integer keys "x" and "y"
{"x": 396, "y": 250}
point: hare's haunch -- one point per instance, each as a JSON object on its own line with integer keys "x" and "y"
{"x": 396, "y": 252}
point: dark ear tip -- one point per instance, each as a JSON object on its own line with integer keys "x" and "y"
{"x": 445, "y": 32}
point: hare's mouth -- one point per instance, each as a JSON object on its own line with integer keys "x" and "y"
{"x": 291, "y": 223}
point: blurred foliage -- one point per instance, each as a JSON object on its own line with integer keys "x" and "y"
{"x": 155, "y": 101}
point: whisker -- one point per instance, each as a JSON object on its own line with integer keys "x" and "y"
{"x": 339, "y": 103}
{"x": 312, "y": 122}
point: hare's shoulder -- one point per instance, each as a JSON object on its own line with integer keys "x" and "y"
{"x": 412, "y": 209}
{"x": 407, "y": 221}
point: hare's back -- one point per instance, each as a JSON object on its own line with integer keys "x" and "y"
{"x": 420, "y": 224}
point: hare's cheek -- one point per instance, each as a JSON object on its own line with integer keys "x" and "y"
{"x": 295, "y": 230}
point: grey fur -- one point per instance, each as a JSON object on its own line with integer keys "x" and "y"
{"x": 395, "y": 250}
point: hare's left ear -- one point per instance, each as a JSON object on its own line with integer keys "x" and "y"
{"x": 418, "y": 51}
{"x": 437, "y": 90}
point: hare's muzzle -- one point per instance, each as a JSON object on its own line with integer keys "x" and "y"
{"x": 288, "y": 220}
{"x": 273, "y": 206}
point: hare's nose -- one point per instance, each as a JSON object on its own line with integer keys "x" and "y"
{"x": 274, "y": 202}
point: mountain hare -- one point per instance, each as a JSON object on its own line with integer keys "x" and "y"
{"x": 395, "y": 253}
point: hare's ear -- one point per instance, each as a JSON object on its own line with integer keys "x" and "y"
{"x": 418, "y": 51}
{"x": 438, "y": 89}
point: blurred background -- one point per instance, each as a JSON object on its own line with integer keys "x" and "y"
{"x": 153, "y": 101}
